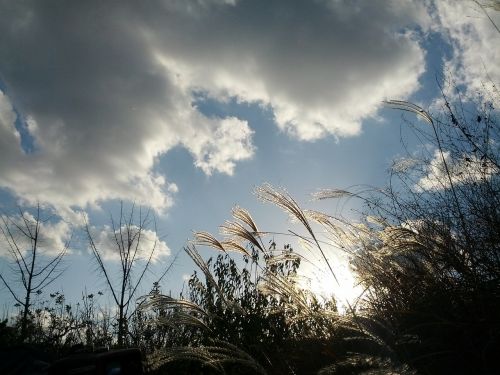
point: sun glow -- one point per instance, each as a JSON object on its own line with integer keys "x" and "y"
{"x": 343, "y": 287}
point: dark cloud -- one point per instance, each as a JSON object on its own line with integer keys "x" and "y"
{"x": 106, "y": 87}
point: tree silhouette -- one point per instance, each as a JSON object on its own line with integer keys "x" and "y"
{"x": 129, "y": 236}
{"x": 32, "y": 268}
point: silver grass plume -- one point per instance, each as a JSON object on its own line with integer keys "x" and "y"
{"x": 214, "y": 356}
{"x": 282, "y": 199}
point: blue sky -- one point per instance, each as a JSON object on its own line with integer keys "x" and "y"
{"x": 186, "y": 106}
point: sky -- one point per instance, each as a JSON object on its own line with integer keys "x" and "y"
{"x": 185, "y": 106}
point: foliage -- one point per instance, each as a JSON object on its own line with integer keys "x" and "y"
{"x": 56, "y": 326}
{"x": 262, "y": 324}
{"x": 426, "y": 252}
{"x": 431, "y": 263}
{"x": 249, "y": 311}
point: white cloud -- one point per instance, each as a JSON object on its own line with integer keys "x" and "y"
{"x": 475, "y": 43}
{"x": 230, "y": 142}
{"x": 106, "y": 91}
{"x": 54, "y": 235}
{"x": 105, "y": 242}
{"x": 467, "y": 169}
{"x": 321, "y": 66}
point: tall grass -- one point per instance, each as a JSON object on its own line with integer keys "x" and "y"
{"x": 426, "y": 252}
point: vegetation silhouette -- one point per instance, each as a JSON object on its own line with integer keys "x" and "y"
{"x": 128, "y": 238}
{"x": 425, "y": 251}
{"x": 34, "y": 266}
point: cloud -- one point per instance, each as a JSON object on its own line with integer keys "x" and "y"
{"x": 467, "y": 169}
{"x": 105, "y": 242}
{"x": 474, "y": 40}
{"x": 105, "y": 91}
{"x": 232, "y": 142}
{"x": 321, "y": 66}
{"x": 54, "y": 235}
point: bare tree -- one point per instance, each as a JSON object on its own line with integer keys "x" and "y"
{"x": 33, "y": 269}
{"x": 128, "y": 237}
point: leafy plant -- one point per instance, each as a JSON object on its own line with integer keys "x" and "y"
{"x": 252, "y": 306}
